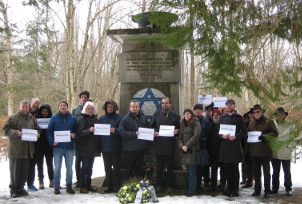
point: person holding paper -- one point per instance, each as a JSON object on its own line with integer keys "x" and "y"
{"x": 261, "y": 152}
{"x": 134, "y": 148}
{"x": 62, "y": 121}
{"x": 287, "y": 134}
{"x": 164, "y": 146}
{"x": 88, "y": 145}
{"x": 188, "y": 143}
{"x": 44, "y": 149}
{"x": 33, "y": 109}
{"x": 230, "y": 153}
{"x": 111, "y": 146}
{"x": 19, "y": 152}
{"x": 77, "y": 112}
{"x": 202, "y": 171}
{"x": 213, "y": 148}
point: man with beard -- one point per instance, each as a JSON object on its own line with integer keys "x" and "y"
{"x": 202, "y": 171}
{"x": 261, "y": 152}
{"x": 213, "y": 149}
{"x": 231, "y": 153}
{"x": 33, "y": 109}
{"x": 164, "y": 146}
{"x": 133, "y": 147}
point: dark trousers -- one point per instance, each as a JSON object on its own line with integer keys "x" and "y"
{"x": 49, "y": 163}
{"x": 222, "y": 174}
{"x": 203, "y": 172}
{"x": 134, "y": 163}
{"x": 214, "y": 172}
{"x": 19, "y": 170}
{"x": 232, "y": 177}
{"x": 164, "y": 161}
{"x": 243, "y": 171}
{"x": 276, "y": 163}
{"x": 32, "y": 170}
{"x": 112, "y": 168}
{"x": 191, "y": 175}
{"x": 78, "y": 166}
{"x": 86, "y": 171}
{"x": 257, "y": 162}
{"x": 249, "y": 173}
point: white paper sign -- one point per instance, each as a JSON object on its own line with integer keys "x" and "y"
{"x": 253, "y": 136}
{"x": 102, "y": 129}
{"x": 219, "y": 101}
{"x": 146, "y": 134}
{"x": 43, "y": 122}
{"x": 29, "y": 135}
{"x": 207, "y": 99}
{"x": 62, "y": 136}
{"x": 227, "y": 129}
{"x": 166, "y": 131}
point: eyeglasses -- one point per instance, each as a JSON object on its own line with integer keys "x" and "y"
{"x": 164, "y": 103}
{"x": 256, "y": 112}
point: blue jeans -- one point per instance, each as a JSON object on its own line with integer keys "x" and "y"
{"x": 192, "y": 178}
{"x": 58, "y": 154}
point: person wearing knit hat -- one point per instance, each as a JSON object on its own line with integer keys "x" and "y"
{"x": 213, "y": 150}
{"x": 202, "y": 171}
{"x": 230, "y": 153}
{"x": 188, "y": 144}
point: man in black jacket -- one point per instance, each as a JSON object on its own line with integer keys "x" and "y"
{"x": 134, "y": 148}
{"x": 231, "y": 153}
{"x": 164, "y": 146}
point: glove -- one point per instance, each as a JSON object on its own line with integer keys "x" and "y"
{"x": 262, "y": 138}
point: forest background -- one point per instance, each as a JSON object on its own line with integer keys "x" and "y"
{"x": 248, "y": 50}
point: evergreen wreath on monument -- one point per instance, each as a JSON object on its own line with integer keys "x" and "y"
{"x": 135, "y": 191}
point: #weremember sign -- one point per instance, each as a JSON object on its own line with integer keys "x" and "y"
{"x": 29, "y": 135}
{"x": 253, "y": 136}
{"x": 62, "y": 136}
{"x": 102, "y": 129}
{"x": 146, "y": 134}
{"x": 166, "y": 131}
{"x": 43, "y": 122}
{"x": 227, "y": 129}
{"x": 204, "y": 99}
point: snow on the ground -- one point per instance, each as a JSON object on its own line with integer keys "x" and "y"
{"x": 47, "y": 195}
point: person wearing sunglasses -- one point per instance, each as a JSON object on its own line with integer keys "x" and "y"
{"x": 261, "y": 152}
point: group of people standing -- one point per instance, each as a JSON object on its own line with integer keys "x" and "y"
{"x": 195, "y": 131}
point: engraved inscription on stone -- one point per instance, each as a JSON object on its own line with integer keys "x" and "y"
{"x": 149, "y": 67}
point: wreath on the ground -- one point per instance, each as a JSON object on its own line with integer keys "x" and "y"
{"x": 129, "y": 192}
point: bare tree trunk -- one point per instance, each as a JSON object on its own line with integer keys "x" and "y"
{"x": 192, "y": 80}
{"x": 69, "y": 49}
{"x": 9, "y": 67}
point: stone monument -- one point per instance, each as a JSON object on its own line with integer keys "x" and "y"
{"x": 147, "y": 73}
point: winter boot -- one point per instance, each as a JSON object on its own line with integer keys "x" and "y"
{"x": 69, "y": 189}
{"x": 41, "y": 184}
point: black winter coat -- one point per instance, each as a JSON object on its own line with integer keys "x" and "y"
{"x": 42, "y": 145}
{"x": 127, "y": 129}
{"x": 214, "y": 144}
{"x": 87, "y": 142}
{"x": 231, "y": 151}
{"x": 164, "y": 145}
